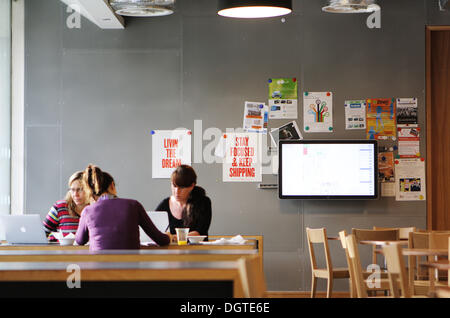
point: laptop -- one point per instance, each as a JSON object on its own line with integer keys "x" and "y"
{"x": 161, "y": 221}
{"x": 23, "y": 229}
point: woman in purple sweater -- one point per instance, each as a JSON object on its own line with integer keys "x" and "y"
{"x": 111, "y": 222}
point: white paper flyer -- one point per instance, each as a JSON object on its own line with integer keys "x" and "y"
{"x": 410, "y": 182}
{"x": 256, "y": 117}
{"x": 318, "y": 112}
{"x": 355, "y": 114}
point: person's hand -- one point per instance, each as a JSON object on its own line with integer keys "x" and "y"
{"x": 173, "y": 238}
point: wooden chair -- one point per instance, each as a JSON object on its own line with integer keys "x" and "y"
{"x": 418, "y": 276}
{"x": 375, "y": 235}
{"x": 438, "y": 240}
{"x": 441, "y": 291}
{"x": 398, "y": 278}
{"x": 355, "y": 268}
{"x": 319, "y": 236}
{"x": 252, "y": 277}
{"x": 384, "y": 283}
{"x": 352, "y": 286}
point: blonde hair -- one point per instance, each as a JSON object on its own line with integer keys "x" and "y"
{"x": 96, "y": 181}
{"x": 71, "y": 205}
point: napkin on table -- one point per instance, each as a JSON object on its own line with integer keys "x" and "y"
{"x": 238, "y": 239}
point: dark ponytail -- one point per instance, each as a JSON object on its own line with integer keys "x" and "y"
{"x": 193, "y": 209}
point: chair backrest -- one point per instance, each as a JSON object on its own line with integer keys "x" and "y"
{"x": 252, "y": 277}
{"x": 403, "y": 232}
{"x": 398, "y": 278}
{"x": 318, "y": 236}
{"x": 355, "y": 266}
{"x": 375, "y": 235}
{"x": 438, "y": 240}
{"x": 418, "y": 240}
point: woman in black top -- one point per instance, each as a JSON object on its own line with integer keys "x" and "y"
{"x": 188, "y": 206}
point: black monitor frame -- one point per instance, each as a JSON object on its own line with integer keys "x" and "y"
{"x": 327, "y": 197}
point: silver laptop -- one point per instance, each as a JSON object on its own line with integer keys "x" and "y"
{"x": 161, "y": 221}
{"x": 23, "y": 229}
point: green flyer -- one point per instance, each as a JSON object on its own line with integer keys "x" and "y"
{"x": 283, "y": 88}
{"x": 283, "y": 98}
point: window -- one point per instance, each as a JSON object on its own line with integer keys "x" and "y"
{"x": 5, "y": 106}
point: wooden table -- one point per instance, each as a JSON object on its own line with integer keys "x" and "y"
{"x": 121, "y": 279}
{"x": 424, "y": 252}
{"x": 383, "y": 243}
{"x": 84, "y": 255}
{"x": 251, "y": 245}
{"x": 254, "y": 243}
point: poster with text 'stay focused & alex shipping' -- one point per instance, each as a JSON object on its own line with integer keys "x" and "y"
{"x": 243, "y": 157}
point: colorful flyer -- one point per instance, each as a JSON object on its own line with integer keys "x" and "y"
{"x": 170, "y": 148}
{"x": 318, "y": 112}
{"x": 408, "y": 140}
{"x": 355, "y": 114}
{"x": 256, "y": 117}
{"x": 386, "y": 167}
{"x": 407, "y": 110}
{"x": 283, "y": 98}
{"x": 243, "y": 157}
{"x": 410, "y": 179}
{"x": 380, "y": 119}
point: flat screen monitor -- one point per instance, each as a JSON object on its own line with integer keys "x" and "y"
{"x": 328, "y": 169}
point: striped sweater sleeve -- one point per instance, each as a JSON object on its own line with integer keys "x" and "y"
{"x": 51, "y": 222}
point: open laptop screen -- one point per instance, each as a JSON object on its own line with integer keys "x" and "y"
{"x": 23, "y": 229}
{"x": 161, "y": 221}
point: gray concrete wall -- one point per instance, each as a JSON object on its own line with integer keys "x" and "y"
{"x": 93, "y": 96}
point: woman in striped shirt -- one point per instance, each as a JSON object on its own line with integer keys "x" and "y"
{"x": 64, "y": 215}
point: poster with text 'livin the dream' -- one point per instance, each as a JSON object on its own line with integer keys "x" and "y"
{"x": 170, "y": 148}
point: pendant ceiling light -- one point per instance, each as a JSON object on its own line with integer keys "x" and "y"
{"x": 254, "y": 8}
{"x": 351, "y": 6}
{"x": 143, "y": 8}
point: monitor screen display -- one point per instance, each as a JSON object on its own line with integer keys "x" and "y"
{"x": 328, "y": 169}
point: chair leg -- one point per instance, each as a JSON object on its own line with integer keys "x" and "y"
{"x": 352, "y": 288}
{"x": 313, "y": 286}
{"x": 329, "y": 287}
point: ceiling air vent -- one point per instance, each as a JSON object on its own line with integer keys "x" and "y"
{"x": 351, "y": 6}
{"x": 143, "y": 8}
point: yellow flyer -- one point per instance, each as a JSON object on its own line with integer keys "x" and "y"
{"x": 381, "y": 119}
